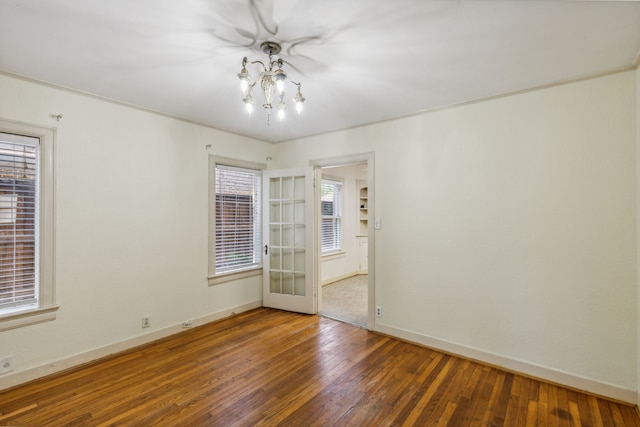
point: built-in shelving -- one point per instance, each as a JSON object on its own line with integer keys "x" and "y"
{"x": 363, "y": 205}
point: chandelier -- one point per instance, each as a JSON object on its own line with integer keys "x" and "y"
{"x": 272, "y": 82}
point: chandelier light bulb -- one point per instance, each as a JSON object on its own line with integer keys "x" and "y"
{"x": 248, "y": 103}
{"x": 282, "y": 108}
{"x": 244, "y": 86}
{"x": 243, "y": 75}
{"x": 280, "y": 78}
{"x": 299, "y": 100}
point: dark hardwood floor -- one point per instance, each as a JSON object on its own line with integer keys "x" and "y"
{"x": 268, "y": 367}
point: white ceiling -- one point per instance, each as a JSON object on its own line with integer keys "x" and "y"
{"x": 359, "y": 61}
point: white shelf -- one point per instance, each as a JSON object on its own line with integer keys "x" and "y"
{"x": 363, "y": 205}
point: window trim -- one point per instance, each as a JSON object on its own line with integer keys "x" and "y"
{"x": 213, "y": 277}
{"x": 334, "y": 251}
{"x": 328, "y": 256}
{"x": 47, "y": 308}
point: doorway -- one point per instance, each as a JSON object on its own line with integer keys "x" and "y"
{"x": 345, "y": 279}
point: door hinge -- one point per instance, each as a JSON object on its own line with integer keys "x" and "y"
{"x": 266, "y": 249}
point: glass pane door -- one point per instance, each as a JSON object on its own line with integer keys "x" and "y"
{"x": 288, "y": 279}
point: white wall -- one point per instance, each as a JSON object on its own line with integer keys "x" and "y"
{"x": 509, "y": 229}
{"x": 334, "y": 267}
{"x": 131, "y": 225}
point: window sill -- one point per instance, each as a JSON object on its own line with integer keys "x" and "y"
{"x": 333, "y": 255}
{"x": 230, "y": 277}
{"x": 26, "y": 318}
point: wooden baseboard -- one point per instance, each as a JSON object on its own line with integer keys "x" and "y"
{"x": 20, "y": 377}
{"x": 551, "y": 375}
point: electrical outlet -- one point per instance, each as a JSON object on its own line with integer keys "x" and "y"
{"x": 378, "y": 311}
{"x": 187, "y": 324}
{"x": 6, "y": 364}
{"x": 146, "y": 321}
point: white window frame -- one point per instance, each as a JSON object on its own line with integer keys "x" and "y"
{"x": 46, "y": 307}
{"x": 214, "y": 277}
{"x": 339, "y": 215}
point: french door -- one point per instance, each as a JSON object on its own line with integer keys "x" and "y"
{"x": 289, "y": 270}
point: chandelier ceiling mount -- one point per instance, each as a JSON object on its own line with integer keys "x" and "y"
{"x": 270, "y": 48}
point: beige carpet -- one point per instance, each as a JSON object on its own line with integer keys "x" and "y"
{"x": 346, "y": 300}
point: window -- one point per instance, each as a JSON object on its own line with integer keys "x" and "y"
{"x": 331, "y": 213}
{"x": 26, "y": 225}
{"x": 237, "y": 236}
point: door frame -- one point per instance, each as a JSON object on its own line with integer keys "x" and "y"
{"x": 368, "y": 158}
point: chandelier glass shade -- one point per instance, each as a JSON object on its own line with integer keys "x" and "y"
{"x": 271, "y": 80}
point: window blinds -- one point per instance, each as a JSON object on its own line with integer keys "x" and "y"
{"x": 238, "y": 218}
{"x": 331, "y": 212}
{"x": 19, "y": 217}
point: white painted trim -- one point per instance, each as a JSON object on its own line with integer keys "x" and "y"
{"x": 342, "y": 160}
{"x": 214, "y": 161}
{"x": 338, "y": 278}
{"x": 47, "y": 307}
{"x": 28, "y": 317}
{"x": 333, "y": 255}
{"x": 20, "y": 377}
{"x": 527, "y": 368}
{"x": 231, "y": 277}
{"x": 228, "y": 161}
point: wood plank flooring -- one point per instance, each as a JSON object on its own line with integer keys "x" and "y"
{"x": 268, "y": 367}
